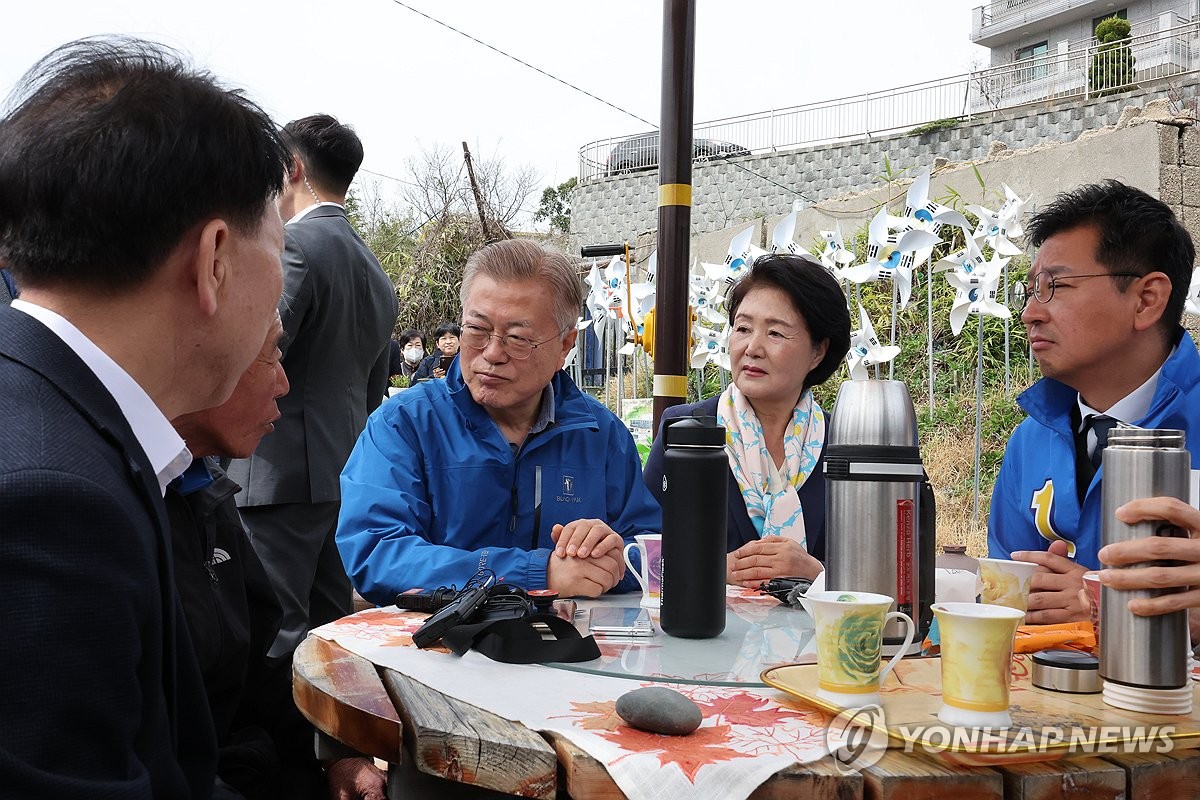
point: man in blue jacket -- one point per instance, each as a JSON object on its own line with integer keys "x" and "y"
{"x": 1104, "y": 300}
{"x": 503, "y": 466}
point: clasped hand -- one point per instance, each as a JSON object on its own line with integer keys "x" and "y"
{"x": 769, "y": 557}
{"x": 588, "y": 559}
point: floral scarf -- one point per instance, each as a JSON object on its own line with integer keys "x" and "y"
{"x": 778, "y": 514}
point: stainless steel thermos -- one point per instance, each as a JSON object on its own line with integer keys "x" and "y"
{"x": 1143, "y": 652}
{"x": 880, "y": 515}
{"x": 694, "y": 500}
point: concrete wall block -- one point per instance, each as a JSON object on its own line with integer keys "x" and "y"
{"x": 1190, "y": 217}
{"x": 1170, "y": 186}
{"x": 1190, "y": 180}
{"x": 1168, "y": 143}
{"x": 1191, "y": 145}
{"x": 617, "y": 206}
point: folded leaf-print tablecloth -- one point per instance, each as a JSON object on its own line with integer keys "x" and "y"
{"x": 748, "y": 734}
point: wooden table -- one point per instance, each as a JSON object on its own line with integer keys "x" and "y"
{"x": 424, "y": 733}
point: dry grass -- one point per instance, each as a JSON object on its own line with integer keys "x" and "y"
{"x": 949, "y": 458}
{"x": 949, "y": 454}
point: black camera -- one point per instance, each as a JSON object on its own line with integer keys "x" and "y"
{"x": 425, "y": 599}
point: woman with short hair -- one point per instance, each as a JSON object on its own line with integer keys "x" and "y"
{"x": 788, "y": 331}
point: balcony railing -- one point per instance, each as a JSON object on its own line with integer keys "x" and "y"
{"x": 1005, "y": 15}
{"x": 1080, "y": 73}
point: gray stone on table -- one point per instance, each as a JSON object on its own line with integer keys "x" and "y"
{"x": 659, "y": 710}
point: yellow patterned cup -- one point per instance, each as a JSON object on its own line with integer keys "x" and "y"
{"x": 977, "y": 648}
{"x": 1005, "y": 583}
{"x": 849, "y": 628}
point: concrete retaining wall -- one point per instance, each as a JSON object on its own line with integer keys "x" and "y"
{"x": 728, "y": 193}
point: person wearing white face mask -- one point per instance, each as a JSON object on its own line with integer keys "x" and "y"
{"x": 408, "y": 349}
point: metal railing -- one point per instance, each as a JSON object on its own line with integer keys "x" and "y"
{"x": 1097, "y": 69}
{"x": 1005, "y": 15}
{"x": 1076, "y": 73}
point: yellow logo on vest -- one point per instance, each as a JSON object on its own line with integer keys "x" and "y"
{"x": 1042, "y": 504}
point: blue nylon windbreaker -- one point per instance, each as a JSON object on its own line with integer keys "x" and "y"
{"x": 1035, "y": 502}
{"x": 432, "y": 493}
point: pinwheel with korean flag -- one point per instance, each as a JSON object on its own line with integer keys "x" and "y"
{"x": 597, "y": 301}
{"x": 866, "y": 350}
{"x": 707, "y": 287}
{"x": 928, "y": 215}
{"x": 784, "y": 233}
{"x": 644, "y": 297}
{"x": 711, "y": 345}
{"x": 890, "y": 255}
{"x": 581, "y": 325}
{"x": 835, "y": 256}
{"x": 998, "y": 228}
{"x": 741, "y": 252}
{"x": 976, "y": 292}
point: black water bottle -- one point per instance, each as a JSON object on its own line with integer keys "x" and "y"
{"x": 695, "y": 476}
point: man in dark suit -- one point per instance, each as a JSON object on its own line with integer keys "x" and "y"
{"x": 338, "y": 309}
{"x": 8, "y": 288}
{"x": 136, "y": 214}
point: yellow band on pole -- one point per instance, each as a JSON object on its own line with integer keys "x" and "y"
{"x": 675, "y": 194}
{"x": 670, "y": 386}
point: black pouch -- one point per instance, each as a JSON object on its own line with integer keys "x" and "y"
{"x": 518, "y": 641}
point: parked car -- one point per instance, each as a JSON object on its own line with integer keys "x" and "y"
{"x": 641, "y": 152}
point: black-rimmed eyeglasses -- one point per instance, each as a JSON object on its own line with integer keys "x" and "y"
{"x": 517, "y": 347}
{"x": 1044, "y": 284}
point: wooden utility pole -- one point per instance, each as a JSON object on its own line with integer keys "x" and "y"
{"x": 674, "y": 205}
{"x": 478, "y": 197}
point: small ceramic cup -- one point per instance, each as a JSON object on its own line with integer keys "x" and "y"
{"x": 649, "y": 577}
{"x": 849, "y": 628}
{"x": 1005, "y": 583}
{"x": 977, "y": 648}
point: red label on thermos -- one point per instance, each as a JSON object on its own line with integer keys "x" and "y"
{"x": 904, "y": 551}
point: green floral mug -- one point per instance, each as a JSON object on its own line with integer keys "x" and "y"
{"x": 849, "y": 629}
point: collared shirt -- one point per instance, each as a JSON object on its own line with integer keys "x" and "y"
{"x": 545, "y": 418}
{"x": 1132, "y": 406}
{"x": 305, "y": 212}
{"x": 166, "y": 451}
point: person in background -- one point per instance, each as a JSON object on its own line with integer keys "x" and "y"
{"x": 265, "y": 747}
{"x": 1103, "y": 306}
{"x": 409, "y": 351}
{"x": 137, "y": 215}
{"x": 338, "y": 309}
{"x": 446, "y": 336}
{"x": 498, "y": 465}
{"x": 789, "y": 330}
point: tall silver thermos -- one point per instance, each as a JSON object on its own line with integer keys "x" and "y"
{"x": 1142, "y": 652}
{"x": 880, "y": 515}
{"x": 694, "y": 537}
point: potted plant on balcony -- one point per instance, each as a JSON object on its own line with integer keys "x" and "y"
{"x": 1112, "y": 64}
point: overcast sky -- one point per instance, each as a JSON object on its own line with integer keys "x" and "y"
{"x": 405, "y": 82}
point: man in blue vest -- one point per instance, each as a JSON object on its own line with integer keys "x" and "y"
{"x": 1104, "y": 301}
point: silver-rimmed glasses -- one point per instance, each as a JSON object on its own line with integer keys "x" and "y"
{"x": 1044, "y": 284}
{"x": 517, "y": 347}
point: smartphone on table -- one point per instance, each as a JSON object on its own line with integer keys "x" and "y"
{"x": 620, "y": 621}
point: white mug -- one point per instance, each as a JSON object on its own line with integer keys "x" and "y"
{"x": 650, "y": 575}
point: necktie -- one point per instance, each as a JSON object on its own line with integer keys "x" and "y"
{"x": 1101, "y": 424}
